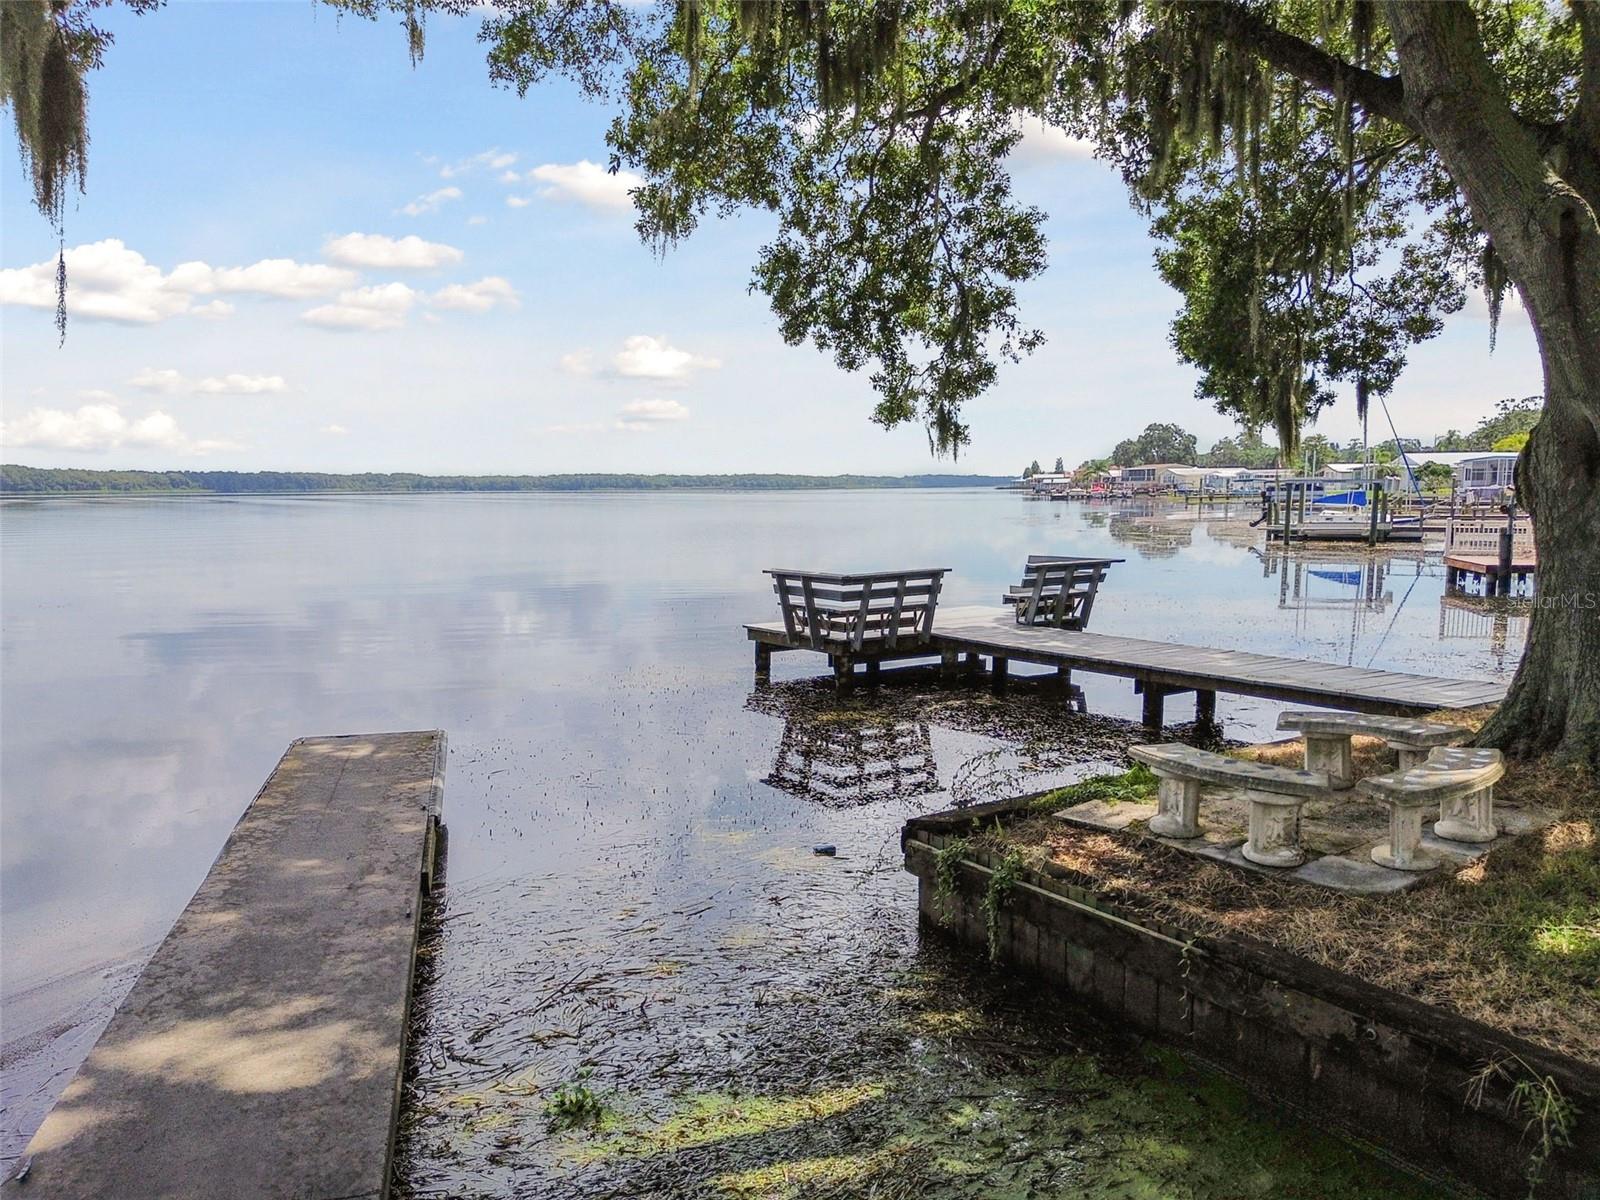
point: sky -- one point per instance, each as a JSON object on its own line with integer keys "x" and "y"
{"x": 298, "y": 252}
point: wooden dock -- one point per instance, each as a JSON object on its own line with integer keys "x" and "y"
{"x": 1161, "y": 669}
{"x": 260, "y": 1051}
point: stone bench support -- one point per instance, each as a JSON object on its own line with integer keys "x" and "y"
{"x": 1274, "y": 830}
{"x": 1178, "y": 807}
{"x": 1403, "y": 851}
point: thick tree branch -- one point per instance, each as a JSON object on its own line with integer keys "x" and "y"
{"x": 1583, "y": 133}
{"x": 1379, "y": 95}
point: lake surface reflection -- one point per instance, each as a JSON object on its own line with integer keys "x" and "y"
{"x": 631, "y": 888}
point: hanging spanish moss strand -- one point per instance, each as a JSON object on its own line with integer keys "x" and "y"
{"x": 1495, "y": 282}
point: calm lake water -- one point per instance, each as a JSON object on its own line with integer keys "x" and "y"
{"x": 631, "y": 890}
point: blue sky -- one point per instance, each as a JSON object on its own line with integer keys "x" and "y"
{"x": 298, "y": 252}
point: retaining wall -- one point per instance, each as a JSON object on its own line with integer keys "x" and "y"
{"x": 1370, "y": 1062}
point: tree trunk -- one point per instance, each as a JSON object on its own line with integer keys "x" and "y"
{"x": 1543, "y": 227}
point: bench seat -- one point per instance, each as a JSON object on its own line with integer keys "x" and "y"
{"x": 1460, "y": 780}
{"x": 1327, "y": 737}
{"x": 1275, "y": 795}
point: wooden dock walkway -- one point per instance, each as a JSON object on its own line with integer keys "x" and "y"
{"x": 260, "y": 1051}
{"x": 1160, "y": 669}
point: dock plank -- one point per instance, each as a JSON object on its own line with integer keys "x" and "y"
{"x": 260, "y": 1051}
{"x": 1237, "y": 672}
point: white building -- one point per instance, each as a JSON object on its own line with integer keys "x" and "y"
{"x": 1155, "y": 476}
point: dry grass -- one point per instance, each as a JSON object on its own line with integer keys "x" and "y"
{"x": 1512, "y": 941}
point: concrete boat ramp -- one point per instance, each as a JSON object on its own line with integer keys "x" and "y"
{"x": 1158, "y": 669}
{"x": 260, "y": 1052}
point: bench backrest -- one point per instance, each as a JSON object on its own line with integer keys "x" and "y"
{"x": 853, "y": 609}
{"x": 1063, "y": 587}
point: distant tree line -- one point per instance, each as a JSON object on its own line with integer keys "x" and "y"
{"x": 16, "y": 479}
{"x": 1507, "y": 429}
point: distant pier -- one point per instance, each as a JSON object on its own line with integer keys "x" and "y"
{"x": 260, "y": 1051}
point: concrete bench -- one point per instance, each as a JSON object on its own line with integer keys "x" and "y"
{"x": 1275, "y": 795}
{"x": 1327, "y": 737}
{"x": 1459, "y": 780}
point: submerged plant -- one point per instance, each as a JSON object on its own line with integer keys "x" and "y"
{"x": 573, "y": 1105}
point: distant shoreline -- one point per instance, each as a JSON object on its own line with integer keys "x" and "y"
{"x": 17, "y": 481}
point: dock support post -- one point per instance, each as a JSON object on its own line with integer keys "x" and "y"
{"x": 872, "y": 672}
{"x": 1154, "y": 699}
{"x": 999, "y": 672}
{"x": 763, "y": 661}
{"x": 1205, "y": 706}
{"x": 1064, "y": 676}
{"x": 948, "y": 660}
{"x": 841, "y": 672}
{"x": 973, "y": 662}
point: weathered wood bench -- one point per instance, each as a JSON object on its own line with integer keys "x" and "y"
{"x": 1275, "y": 795}
{"x": 1327, "y": 737}
{"x": 845, "y": 614}
{"x": 1460, "y": 780}
{"x": 1057, "y": 590}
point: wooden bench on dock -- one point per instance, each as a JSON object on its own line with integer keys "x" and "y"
{"x": 1327, "y": 738}
{"x": 1058, "y": 590}
{"x": 261, "y": 1050}
{"x": 863, "y": 616}
{"x": 1275, "y": 796}
{"x": 1460, "y": 780}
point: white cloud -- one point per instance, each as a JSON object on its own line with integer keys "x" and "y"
{"x": 510, "y": 177}
{"x": 334, "y": 430}
{"x": 641, "y": 416}
{"x": 644, "y": 415}
{"x": 494, "y": 159}
{"x": 369, "y": 308}
{"x": 476, "y": 297}
{"x": 517, "y": 202}
{"x": 645, "y": 357}
{"x": 478, "y": 219}
{"x": 98, "y": 427}
{"x": 1044, "y": 143}
{"x": 173, "y": 382}
{"x": 106, "y": 281}
{"x": 432, "y": 202}
{"x": 280, "y": 277}
{"x": 375, "y": 250}
{"x": 579, "y": 362}
{"x": 586, "y": 183}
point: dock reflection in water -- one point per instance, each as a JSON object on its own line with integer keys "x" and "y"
{"x": 853, "y": 760}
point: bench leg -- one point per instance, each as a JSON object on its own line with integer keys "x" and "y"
{"x": 1469, "y": 819}
{"x": 1410, "y": 756}
{"x": 1331, "y": 753}
{"x": 1274, "y": 832}
{"x": 763, "y": 661}
{"x": 1178, "y": 807}
{"x": 1402, "y": 851}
